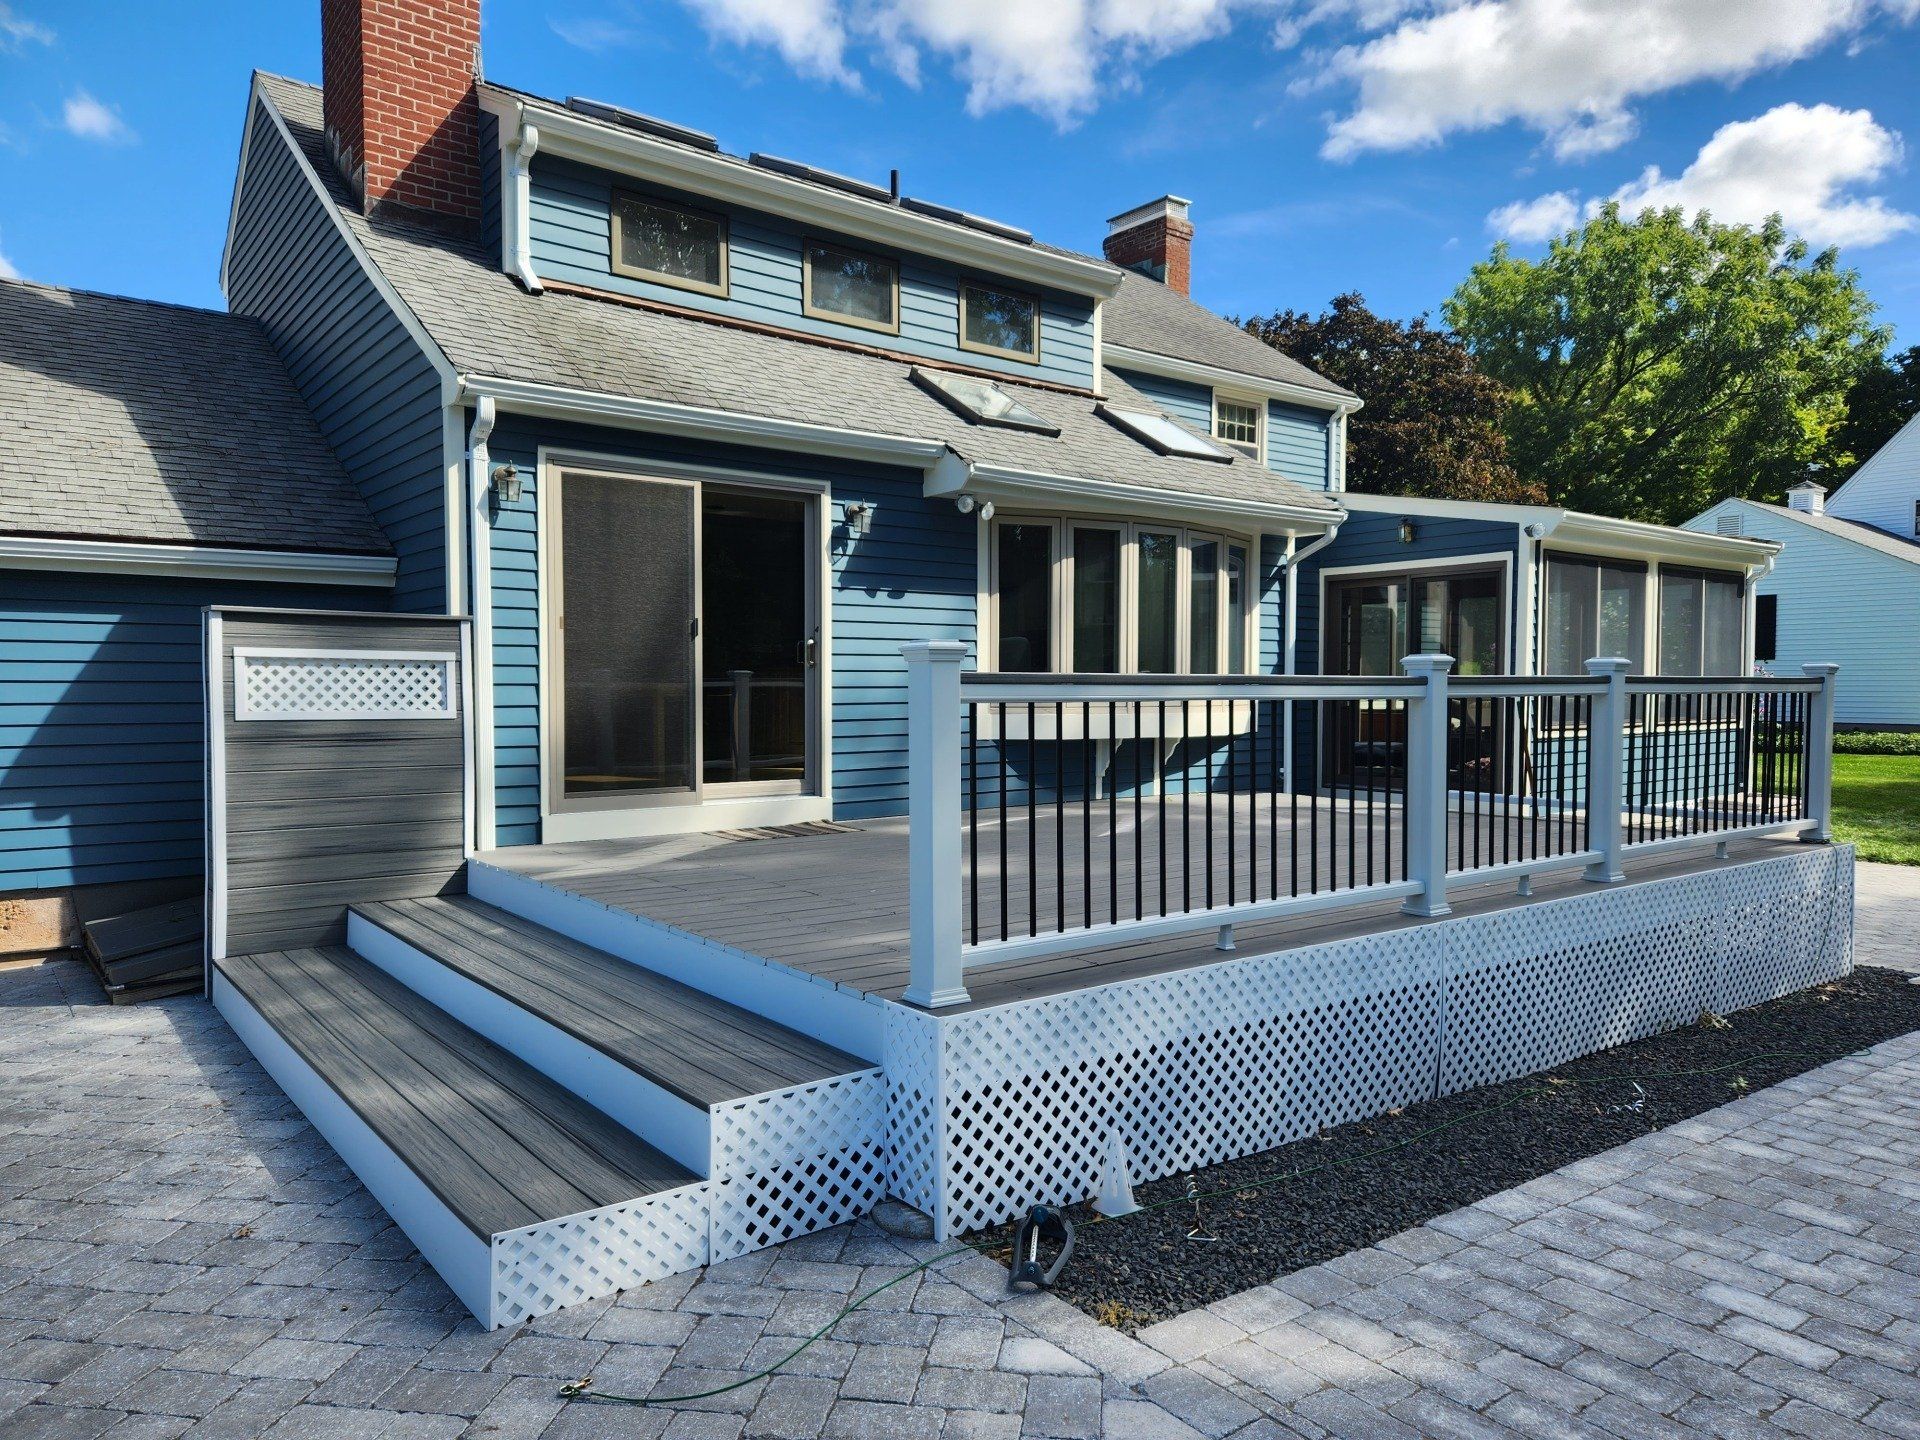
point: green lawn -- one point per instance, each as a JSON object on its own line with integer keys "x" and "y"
{"x": 1876, "y": 806}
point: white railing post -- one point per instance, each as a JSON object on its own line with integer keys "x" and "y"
{"x": 1426, "y": 812}
{"x": 933, "y": 821}
{"x": 1820, "y": 754}
{"x": 1607, "y": 771}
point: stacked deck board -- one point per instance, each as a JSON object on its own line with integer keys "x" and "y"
{"x": 146, "y": 953}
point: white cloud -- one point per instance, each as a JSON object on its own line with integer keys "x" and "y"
{"x": 8, "y": 270}
{"x": 1801, "y": 162}
{"x": 90, "y": 120}
{"x": 1052, "y": 56}
{"x": 16, "y": 31}
{"x": 1568, "y": 68}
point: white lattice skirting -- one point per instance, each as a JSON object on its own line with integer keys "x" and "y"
{"x": 542, "y": 1268}
{"x": 994, "y": 1110}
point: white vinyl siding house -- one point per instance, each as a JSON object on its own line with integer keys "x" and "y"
{"x": 1885, "y": 492}
{"x": 1851, "y": 600}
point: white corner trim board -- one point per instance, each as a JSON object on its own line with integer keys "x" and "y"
{"x": 133, "y": 557}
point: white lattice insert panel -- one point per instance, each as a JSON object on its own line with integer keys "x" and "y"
{"x": 343, "y": 685}
{"x": 542, "y": 1268}
{"x": 793, "y": 1161}
{"x": 1229, "y": 1059}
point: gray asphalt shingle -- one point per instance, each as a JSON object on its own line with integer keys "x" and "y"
{"x": 488, "y": 326}
{"x": 1146, "y": 315}
{"x": 127, "y": 419}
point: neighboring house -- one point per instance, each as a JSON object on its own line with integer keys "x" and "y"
{"x": 1845, "y": 587}
{"x": 153, "y": 460}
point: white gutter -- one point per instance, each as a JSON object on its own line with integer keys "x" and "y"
{"x": 516, "y": 220}
{"x": 480, "y": 556}
{"x": 565, "y": 403}
{"x": 131, "y": 557}
{"x": 1125, "y": 357}
{"x": 994, "y": 482}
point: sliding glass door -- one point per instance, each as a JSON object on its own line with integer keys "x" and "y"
{"x": 683, "y": 636}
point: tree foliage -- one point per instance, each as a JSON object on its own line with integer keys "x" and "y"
{"x": 1659, "y": 365}
{"x": 1431, "y": 421}
{"x": 1883, "y": 399}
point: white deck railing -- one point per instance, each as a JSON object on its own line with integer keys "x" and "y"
{"x": 1057, "y": 813}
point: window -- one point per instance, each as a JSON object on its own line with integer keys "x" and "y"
{"x": 1700, "y": 620}
{"x": 851, "y": 288}
{"x": 981, "y": 401}
{"x": 1000, "y": 322}
{"x": 1237, "y": 423}
{"x": 1595, "y": 608}
{"x": 1127, "y": 599}
{"x": 1916, "y": 517}
{"x": 1023, "y": 567}
{"x": 653, "y": 240}
{"x": 1766, "y": 627}
{"x": 1160, "y": 434}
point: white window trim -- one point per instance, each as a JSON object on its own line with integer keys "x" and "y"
{"x": 244, "y": 658}
{"x": 1062, "y": 527}
{"x": 1029, "y": 357}
{"x": 1256, "y": 449}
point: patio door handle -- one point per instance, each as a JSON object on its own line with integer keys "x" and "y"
{"x": 806, "y": 652}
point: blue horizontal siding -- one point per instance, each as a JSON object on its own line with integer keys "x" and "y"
{"x": 1297, "y": 443}
{"x": 571, "y": 234}
{"x": 100, "y": 723}
{"x": 910, "y": 578}
{"x": 1189, "y": 403}
{"x": 374, "y": 393}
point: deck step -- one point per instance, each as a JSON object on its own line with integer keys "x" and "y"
{"x": 698, "y": 1049}
{"x": 501, "y": 1144}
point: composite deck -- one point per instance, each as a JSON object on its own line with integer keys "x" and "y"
{"x": 833, "y": 903}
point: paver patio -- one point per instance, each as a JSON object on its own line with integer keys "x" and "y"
{"x": 180, "y": 1253}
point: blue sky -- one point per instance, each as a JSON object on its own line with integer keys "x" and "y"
{"x": 1327, "y": 145}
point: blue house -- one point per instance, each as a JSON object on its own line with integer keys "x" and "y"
{"x": 699, "y": 692}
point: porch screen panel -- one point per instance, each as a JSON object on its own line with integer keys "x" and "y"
{"x": 627, "y": 582}
{"x": 1594, "y": 608}
{"x": 1725, "y": 618}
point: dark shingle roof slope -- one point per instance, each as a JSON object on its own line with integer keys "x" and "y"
{"x": 1146, "y": 315}
{"x": 489, "y": 327}
{"x": 125, "y": 419}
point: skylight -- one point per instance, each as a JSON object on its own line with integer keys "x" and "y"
{"x": 980, "y": 401}
{"x": 1157, "y": 432}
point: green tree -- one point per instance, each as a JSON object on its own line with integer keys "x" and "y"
{"x": 1881, "y": 401}
{"x": 1660, "y": 364}
{"x": 1431, "y": 422}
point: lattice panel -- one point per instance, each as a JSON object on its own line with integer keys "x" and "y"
{"x": 343, "y": 686}
{"x": 1784, "y": 927}
{"x": 793, "y": 1161}
{"x": 542, "y": 1268}
{"x": 914, "y": 1108}
{"x": 1188, "y": 1068}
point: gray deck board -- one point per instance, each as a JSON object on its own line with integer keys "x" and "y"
{"x": 834, "y": 905}
{"x": 500, "y": 1144}
{"x": 700, "y": 1048}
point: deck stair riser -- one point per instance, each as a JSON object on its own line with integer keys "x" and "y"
{"x": 680, "y": 1128}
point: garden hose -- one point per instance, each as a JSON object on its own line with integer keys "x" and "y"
{"x": 583, "y": 1389}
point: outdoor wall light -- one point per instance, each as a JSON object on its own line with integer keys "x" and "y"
{"x": 1406, "y": 532}
{"x": 860, "y": 518}
{"x": 505, "y": 480}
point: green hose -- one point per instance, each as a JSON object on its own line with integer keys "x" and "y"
{"x": 582, "y": 1389}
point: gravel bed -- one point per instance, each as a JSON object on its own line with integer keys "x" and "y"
{"x": 1361, "y": 1182}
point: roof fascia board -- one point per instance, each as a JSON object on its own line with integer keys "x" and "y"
{"x": 128, "y": 557}
{"x": 1495, "y": 510}
{"x": 559, "y": 402}
{"x": 1636, "y": 538}
{"x": 239, "y": 177}
{"x": 1002, "y": 482}
{"x": 574, "y": 137}
{"x": 1125, "y": 357}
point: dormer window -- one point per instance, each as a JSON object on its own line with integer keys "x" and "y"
{"x": 669, "y": 244}
{"x": 1237, "y": 423}
{"x": 851, "y": 288}
{"x": 1000, "y": 322}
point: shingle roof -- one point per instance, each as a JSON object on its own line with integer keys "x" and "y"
{"x": 1146, "y": 315}
{"x": 1871, "y": 536}
{"x": 488, "y": 326}
{"x": 127, "y": 419}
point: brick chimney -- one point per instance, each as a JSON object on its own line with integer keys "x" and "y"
{"x": 1156, "y": 239}
{"x": 403, "y": 120}
{"x": 1809, "y": 497}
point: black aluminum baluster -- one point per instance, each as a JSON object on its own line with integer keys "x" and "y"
{"x": 1160, "y": 826}
{"x": 973, "y": 824}
{"x": 1207, "y": 771}
{"x": 1186, "y": 808}
{"x": 1000, "y": 745}
{"x": 1086, "y": 813}
{"x": 1233, "y": 779}
{"x": 1113, "y": 813}
{"x": 1060, "y": 813}
{"x": 1033, "y": 824}
{"x": 1139, "y": 785}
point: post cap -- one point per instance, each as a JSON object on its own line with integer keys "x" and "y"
{"x": 1608, "y": 665}
{"x": 1820, "y": 668}
{"x": 1427, "y": 664}
{"x": 934, "y": 652}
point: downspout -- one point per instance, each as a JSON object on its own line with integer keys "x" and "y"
{"x": 480, "y": 591}
{"x": 1290, "y": 645}
{"x": 1750, "y": 619}
{"x": 519, "y": 220}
